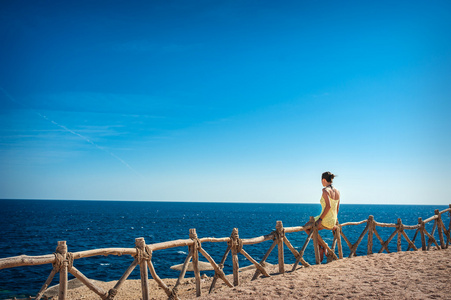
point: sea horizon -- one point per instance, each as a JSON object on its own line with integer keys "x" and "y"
{"x": 222, "y": 202}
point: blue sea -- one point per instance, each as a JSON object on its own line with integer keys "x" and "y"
{"x": 33, "y": 227}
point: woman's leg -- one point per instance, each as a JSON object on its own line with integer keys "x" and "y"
{"x": 322, "y": 250}
{"x": 307, "y": 224}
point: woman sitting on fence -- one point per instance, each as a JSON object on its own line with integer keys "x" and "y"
{"x": 330, "y": 203}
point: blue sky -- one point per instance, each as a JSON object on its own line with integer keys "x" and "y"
{"x": 235, "y": 101}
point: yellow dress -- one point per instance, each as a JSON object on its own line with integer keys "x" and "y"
{"x": 330, "y": 220}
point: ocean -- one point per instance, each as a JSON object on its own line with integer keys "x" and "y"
{"x": 33, "y": 227}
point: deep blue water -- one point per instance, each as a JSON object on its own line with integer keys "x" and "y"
{"x": 33, "y": 227}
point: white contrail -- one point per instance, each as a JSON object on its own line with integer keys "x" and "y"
{"x": 69, "y": 130}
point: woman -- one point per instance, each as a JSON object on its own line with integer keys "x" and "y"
{"x": 330, "y": 204}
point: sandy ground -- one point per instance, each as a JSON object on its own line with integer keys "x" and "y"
{"x": 403, "y": 275}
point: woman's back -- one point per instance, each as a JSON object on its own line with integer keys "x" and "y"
{"x": 330, "y": 219}
{"x": 332, "y": 192}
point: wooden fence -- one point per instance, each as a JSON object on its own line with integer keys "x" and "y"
{"x": 63, "y": 261}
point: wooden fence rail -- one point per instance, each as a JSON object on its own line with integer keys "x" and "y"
{"x": 63, "y": 261}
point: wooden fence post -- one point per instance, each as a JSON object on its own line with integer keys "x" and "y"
{"x": 449, "y": 225}
{"x": 400, "y": 228}
{"x": 221, "y": 266}
{"x": 431, "y": 240}
{"x": 235, "y": 245}
{"x": 280, "y": 234}
{"x": 61, "y": 249}
{"x": 195, "y": 259}
{"x": 263, "y": 260}
{"x": 423, "y": 239}
{"x": 140, "y": 245}
{"x": 439, "y": 227}
{"x": 338, "y": 237}
{"x": 113, "y": 291}
{"x": 315, "y": 240}
{"x": 370, "y": 234}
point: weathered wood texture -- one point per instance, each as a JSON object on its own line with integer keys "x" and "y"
{"x": 430, "y": 219}
{"x": 258, "y": 272}
{"x": 218, "y": 270}
{"x": 370, "y": 234}
{"x": 61, "y": 250}
{"x": 46, "y": 284}
{"x": 234, "y": 244}
{"x": 123, "y": 278}
{"x": 184, "y": 268}
{"x": 413, "y": 240}
{"x": 449, "y": 225}
{"x": 105, "y": 252}
{"x": 315, "y": 241}
{"x": 194, "y": 250}
{"x": 280, "y": 235}
{"x": 256, "y": 264}
{"x": 142, "y": 259}
{"x": 440, "y": 229}
{"x": 354, "y": 223}
{"x": 91, "y": 285}
{"x": 258, "y": 240}
{"x": 221, "y": 266}
{"x": 159, "y": 281}
{"x": 338, "y": 238}
{"x": 297, "y": 228}
{"x": 431, "y": 236}
{"x": 359, "y": 240}
{"x": 25, "y": 260}
{"x": 423, "y": 239}
{"x": 398, "y": 238}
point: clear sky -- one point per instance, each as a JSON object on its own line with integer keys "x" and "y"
{"x": 235, "y": 101}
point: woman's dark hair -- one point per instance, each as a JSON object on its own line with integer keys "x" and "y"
{"x": 328, "y": 176}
